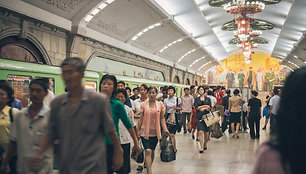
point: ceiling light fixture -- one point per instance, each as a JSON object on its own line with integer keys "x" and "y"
{"x": 170, "y": 44}
{"x": 145, "y": 30}
{"x": 189, "y": 52}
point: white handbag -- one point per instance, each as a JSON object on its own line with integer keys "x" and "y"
{"x": 211, "y": 118}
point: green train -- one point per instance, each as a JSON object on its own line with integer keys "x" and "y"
{"x": 19, "y": 74}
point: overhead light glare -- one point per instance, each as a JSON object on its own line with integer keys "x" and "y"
{"x": 110, "y": 1}
{"x": 95, "y": 11}
{"x": 146, "y": 30}
{"x": 101, "y": 6}
{"x": 170, "y": 44}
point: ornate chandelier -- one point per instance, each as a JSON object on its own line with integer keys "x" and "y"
{"x": 244, "y": 33}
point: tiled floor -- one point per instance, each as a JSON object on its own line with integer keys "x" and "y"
{"x": 226, "y": 155}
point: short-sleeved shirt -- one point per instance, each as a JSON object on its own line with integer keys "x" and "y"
{"x": 255, "y": 105}
{"x": 170, "y": 102}
{"x": 125, "y": 136}
{"x": 118, "y": 112}
{"x": 187, "y": 103}
{"x": 81, "y": 132}
{"x": 274, "y": 102}
{"x": 225, "y": 101}
{"x": 235, "y": 104}
{"x": 218, "y": 95}
{"x": 137, "y": 104}
{"x": 151, "y": 119}
{"x": 213, "y": 100}
{"x": 5, "y": 122}
{"x": 28, "y": 132}
{"x": 198, "y": 102}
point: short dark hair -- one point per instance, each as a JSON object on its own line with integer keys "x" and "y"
{"x": 191, "y": 87}
{"x": 201, "y": 87}
{"x": 121, "y": 91}
{"x": 134, "y": 89}
{"x": 41, "y": 82}
{"x": 218, "y": 87}
{"x": 255, "y": 93}
{"x": 76, "y": 62}
{"x": 186, "y": 89}
{"x": 109, "y": 77}
{"x": 10, "y": 92}
{"x": 152, "y": 88}
{"x": 236, "y": 91}
{"x": 144, "y": 86}
{"x": 228, "y": 91}
{"x": 171, "y": 87}
{"x": 276, "y": 91}
{"x": 122, "y": 82}
{"x": 165, "y": 88}
{"x": 128, "y": 88}
{"x": 210, "y": 92}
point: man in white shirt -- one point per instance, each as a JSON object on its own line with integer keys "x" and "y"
{"x": 27, "y": 130}
{"x": 274, "y": 105}
{"x": 212, "y": 99}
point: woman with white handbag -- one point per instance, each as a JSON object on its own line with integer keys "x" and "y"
{"x": 202, "y": 104}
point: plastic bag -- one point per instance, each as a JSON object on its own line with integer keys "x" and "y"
{"x": 216, "y": 133}
{"x": 167, "y": 154}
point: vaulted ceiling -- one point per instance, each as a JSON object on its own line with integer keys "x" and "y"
{"x": 186, "y": 34}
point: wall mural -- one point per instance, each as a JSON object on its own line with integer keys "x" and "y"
{"x": 118, "y": 68}
{"x": 261, "y": 74}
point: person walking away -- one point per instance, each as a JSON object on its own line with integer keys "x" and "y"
{"x": 219, "y": 107}
{"x": 202, "y": 105}
{"x": 26, "y": 132}
{"x": 285, "y": 152}
{"x": 79, "y": 120}
{"x": 266, "y": 109}
{"x": 253, "y": 115}
{"x": 274, "y": 106}
{"x": 108, "y": 84}
{"x": 235, "y": 110}
{"x": 187, "y": 104}
{"x": 151, "y": 119}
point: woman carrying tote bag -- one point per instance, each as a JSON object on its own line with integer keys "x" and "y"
{"x": 202, "y": 105}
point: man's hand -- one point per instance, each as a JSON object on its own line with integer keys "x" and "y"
{"x": 34, "y": 161}
{"x": 137, "y": 149}
{"x": 117, "y": 159}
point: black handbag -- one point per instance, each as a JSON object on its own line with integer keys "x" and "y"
{"x": 179, "y": 118}
{"x": 167, "y": 154}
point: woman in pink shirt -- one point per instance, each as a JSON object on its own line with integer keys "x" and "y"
{"x": 151, "y": 117}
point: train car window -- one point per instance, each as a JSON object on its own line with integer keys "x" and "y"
{"x": 20, "y": 84}
{"x": 91, "y": 85}
{"x": 51, "y": 83}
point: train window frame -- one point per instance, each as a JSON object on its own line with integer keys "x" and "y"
{"x": 25, "y": 94}
{"x": 91, "y": 81}
{"x": 52, "y": 87}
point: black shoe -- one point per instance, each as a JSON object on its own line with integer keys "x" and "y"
{"x": 139, "y": 169}
{"x": 264, "y": 128}
{"x": 192, "y": 136}
{"x": 257, "y": 137}
{"x": 197, "y": 139}
{"x": 252, "y": 138}
{"x": 201, "y": 151}
{"x": 185, "y": 132}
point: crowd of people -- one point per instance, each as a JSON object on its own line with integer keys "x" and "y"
{"x": 92, "y": 132}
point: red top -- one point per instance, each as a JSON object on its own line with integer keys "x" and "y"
{"x": 219, "y": 94}
{"x": 194, "y": 119}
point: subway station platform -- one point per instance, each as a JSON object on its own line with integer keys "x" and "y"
{"x": 226, "y": 155}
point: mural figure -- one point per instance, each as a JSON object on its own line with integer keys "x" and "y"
{"x": 241, "y": 78}
{"x": 250, "y": 75}
{"x": 259, "y": 79}
{"x": 236, "y": 81}
{"x": 270, "y": 79}
{"x": 220, "y": 78}
{"x": 230, "y": 78}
